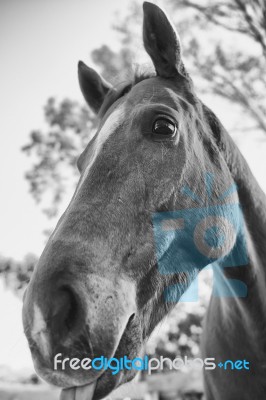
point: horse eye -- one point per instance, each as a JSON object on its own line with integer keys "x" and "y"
{"x": 164, "y": 128}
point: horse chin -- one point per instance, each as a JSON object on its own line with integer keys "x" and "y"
{"x": 80, "y": 388}
{"x": 107, "y": 383}
{"x": 77, "y": 386}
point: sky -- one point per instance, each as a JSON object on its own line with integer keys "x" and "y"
{"x": 40, "y": 45}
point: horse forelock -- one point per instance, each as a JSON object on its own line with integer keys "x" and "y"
{"x": 123, "y": 88}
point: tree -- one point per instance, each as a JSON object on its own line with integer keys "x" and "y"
{"x": 17, "y": 274}
{"x": 234, "y": 72}
{"x": 247, "y": 17}
{"x": 54, "y": 152}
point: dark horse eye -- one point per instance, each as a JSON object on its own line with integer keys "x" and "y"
{"x": 164, "y": 128}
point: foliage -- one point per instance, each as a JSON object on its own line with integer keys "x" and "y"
{"x": 234, "y": 64}
{"x": 55, "y": 152}
{"x": 247, "y": 17}
{"x": 17, "y": 274}
{"x": 180, "y": 334}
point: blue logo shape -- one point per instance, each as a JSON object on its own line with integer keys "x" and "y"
{"x": 190, "y": 239}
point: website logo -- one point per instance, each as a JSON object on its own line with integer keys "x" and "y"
{"x": 145, "y": 364}
{"x": 209, "y": 234}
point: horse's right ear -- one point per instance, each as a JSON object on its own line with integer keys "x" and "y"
{"x": 161, "y": 42}
{"x": 94, "y": 88}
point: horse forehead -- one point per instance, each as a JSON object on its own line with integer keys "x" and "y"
{"x": 154, "y": 90}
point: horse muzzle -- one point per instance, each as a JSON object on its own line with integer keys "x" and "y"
{"x": 69, "y": 321}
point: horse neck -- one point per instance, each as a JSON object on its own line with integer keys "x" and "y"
{"x": 253, "y": 203}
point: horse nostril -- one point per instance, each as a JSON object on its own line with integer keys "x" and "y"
{"x": 65, "y": 311}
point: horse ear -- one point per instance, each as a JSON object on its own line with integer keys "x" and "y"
{"x": 161, "y": 42}
{"x": 94, "y": 88}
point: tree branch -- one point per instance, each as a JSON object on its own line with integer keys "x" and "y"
{"x": 252, "y": 25}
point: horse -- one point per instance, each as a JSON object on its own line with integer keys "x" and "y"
{"x": 121, "y": 257}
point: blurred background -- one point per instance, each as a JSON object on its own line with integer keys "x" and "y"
{"x": 45, "y": 124}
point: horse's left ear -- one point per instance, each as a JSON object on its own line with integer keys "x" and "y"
{"x": 94, "y": 88}
{"x": 161, "y": 42}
